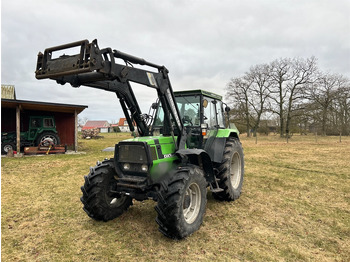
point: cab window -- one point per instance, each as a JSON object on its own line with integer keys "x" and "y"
{"x": 158, "y": 121}
{"x": 189, "y": 107}
{"x": 221, "y": 122}
{"x": 48, "y": 122}
{"x": 209, "y": 112}
{"x": 35, "y": 122}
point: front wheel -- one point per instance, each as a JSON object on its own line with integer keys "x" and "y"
{"x": 231, "y": 171}
{"x": 6, "y": 147}
{"x": 182, "y": 202}
{"x": 100, "y": 202}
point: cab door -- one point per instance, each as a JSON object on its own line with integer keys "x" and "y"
{"x": 213, "y": 119}
{"x": 34, "y": 125}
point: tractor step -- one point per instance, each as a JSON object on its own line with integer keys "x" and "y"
{"x": 216, "y": 190}
{"x": 214, "y": 187}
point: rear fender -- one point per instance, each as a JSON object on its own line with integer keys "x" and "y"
{"x": 43, "y": 130}
{"x": 216, "y": 146}
{"x": 228, "y": 133}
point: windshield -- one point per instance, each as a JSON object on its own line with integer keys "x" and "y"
{"x": 189, "y": 108}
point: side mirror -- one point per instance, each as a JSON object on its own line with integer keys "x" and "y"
{"x": 205, "y": 103}
{"x": 227, "y": 109}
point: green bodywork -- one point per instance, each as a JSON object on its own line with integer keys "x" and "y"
{"x": 164, "y": 158}
{"x": 227, "y": 132}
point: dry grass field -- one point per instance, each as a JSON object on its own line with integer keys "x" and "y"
{"x": 295, "y": 206}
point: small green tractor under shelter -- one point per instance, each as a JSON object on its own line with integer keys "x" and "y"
{"x": 42, "y": 130}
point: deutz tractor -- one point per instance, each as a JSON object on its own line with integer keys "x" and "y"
{"x": 183, "y": 148}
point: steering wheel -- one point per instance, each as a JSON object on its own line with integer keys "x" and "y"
{"x": 187, "y": 120}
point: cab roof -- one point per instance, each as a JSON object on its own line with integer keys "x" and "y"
{"x": 198, "y": 92}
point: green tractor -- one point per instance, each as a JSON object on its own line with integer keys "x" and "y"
{"x": 183, "y": 148}
{"x": 42, "y": 130}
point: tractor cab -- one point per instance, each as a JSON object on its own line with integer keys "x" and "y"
{"x": 40, "y": 124}
{"x": 202, "y": 114}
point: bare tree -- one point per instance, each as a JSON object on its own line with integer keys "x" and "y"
{"x": 238, "y": 95}
{"x": 323, "y": 94}
{"x": 341, "y": 107}
{"x": 279, "y": 75}
{"x": 303, "y": 76}
{"x": 258, "y": 76}
{"x": 290, "y": 79}
{"x": 82, "y": 121}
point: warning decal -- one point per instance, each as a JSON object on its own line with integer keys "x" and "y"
{"x": 151, "y": 79}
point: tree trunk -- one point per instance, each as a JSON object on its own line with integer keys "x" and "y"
{"x": 324, "y": 120}
{"x": 281, "y": 125}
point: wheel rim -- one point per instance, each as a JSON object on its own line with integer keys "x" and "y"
{"x": 235, "y": 170}
{"x": 48, "y": 139}
{"x": 7, "y": 148}
{"x": 191, "y": 203}
{"x": 117, "y": 201}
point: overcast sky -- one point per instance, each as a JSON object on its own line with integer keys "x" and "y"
{"x": 202, "y": 43}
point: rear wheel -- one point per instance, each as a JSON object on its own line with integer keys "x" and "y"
{"x": 100, "y": 202}
{"x": 231, "y": 171}
{"x": 181, "y": 203}
{"x": 47, "y": 139}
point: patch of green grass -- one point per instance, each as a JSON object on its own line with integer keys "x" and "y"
{"x": 294, "y": 207}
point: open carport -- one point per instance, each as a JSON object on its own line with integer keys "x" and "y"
{"x": 15, "y": 117}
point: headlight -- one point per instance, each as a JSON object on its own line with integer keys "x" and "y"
{"x": 126, "y": 166}
{"x": 144, "y": 168}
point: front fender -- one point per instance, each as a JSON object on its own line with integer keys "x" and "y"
{"x": 200, "y": 158}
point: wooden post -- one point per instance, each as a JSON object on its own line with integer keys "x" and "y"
{"x": 75, "y": 131}
{"x": 18, "y": 128}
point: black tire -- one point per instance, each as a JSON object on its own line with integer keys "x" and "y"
{"x": 99, "y": 202}
{"x": 182, "y": 202}
{"x": 5, "y": 147}
{"x": 51, "y": 137}
{"x": 231, "y": 171}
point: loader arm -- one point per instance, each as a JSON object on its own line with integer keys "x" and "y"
{"x": 97, "y": 68}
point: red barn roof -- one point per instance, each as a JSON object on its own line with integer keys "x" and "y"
{"x": 95, "y": 124}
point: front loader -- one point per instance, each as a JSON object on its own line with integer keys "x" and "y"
{"x": 180, "y": 152}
